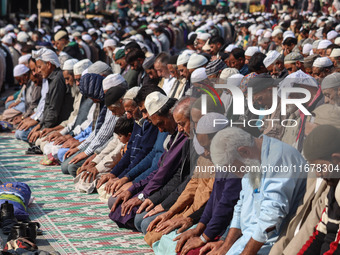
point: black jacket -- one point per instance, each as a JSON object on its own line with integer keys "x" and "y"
{"x": 58, "y": 102}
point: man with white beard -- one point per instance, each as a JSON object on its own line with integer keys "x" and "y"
{"x": 50, "y": 134}
{"x": 268, "y": 198}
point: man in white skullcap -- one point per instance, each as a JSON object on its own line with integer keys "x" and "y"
{"x": 196, "y": 61}
{"x": 114, "y": 80}
{"x": 159, "y": 108}
{"x": 322, "y": 47}
{"x": 25, "y": 59}
{"x": 295, "y": 135}
{"x": 277, "y": 36}
{"x": 59, "y": 100}
{"x": 230, "y": 48}
{"x": 8, "y": 43}
{"x": 201, "y": 40}
{"x": 79, "y": 68}
{"x": 78, "y": 105}
{"x": 79, "y": 119}
{"x": 275, "y": 65}
{"x": 182, "y": 62}
{"x": 331, "y": 35}
{"x": 17, "y": 107}
{"x": 144, "y": 134}
{"x": 294, "y": 62}
{"x": 250, "y": 51}
{"x": 63, "y": 44}
{"x": 82, "y": 45}
{"x": 306, "y": 50}
{"x": 322, "y": 67}
{"x": 109, "y": 47}
{"x": 100, "y": 133}
{"x": 330, "y": 88}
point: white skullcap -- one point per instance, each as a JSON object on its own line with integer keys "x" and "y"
{"x": 76, "y": 34}
{"x": 230, "y": 48}
{"x": 287, "y": 18}
{"x": 272, "y": 56}
{"x": 335, "y": 53}
{"x": 331, "y": 35}
{"x": 235, "y": 79}
{"x": 260, "y": 19}
{"x": 99, "y": 67}
{"x": 316, "y": 44}
{"x": 298, "y": 77}
{"x": 154, "y": 102}
{"x": 259, "y": 32}
{"x": 337, "y": 41}
{"x": 46, "y": 55}
{"x": 110, "y": 43}
{"x": 198, "y": 75}
{"x": 112, "y": 80}
{"x": 24, "y": 59}
{"x": 276, "y": 32}
{"x": 206, "y": 124}
{"x": 152, "y": 26}
{"x": 9, "y": 28}
{"x": 86, "y": 37}
{"x": 91, "y": 31}
{"x": 331, "y": 81}
{"x": 307, "y": 48}
{"x": 324, "y": 44}
{"x": 322, "y": 62}
{"x": 183, "y": 59}
{"x": 131, "y": 93}
{"x": 109, "y": 28}
{"x": 203, "y": 36}
{"x": 251, "y": 51}
{"x": 337, "y": 28}
{"x": 196, "y": 61}
{"x": 7, "y": 39}
{"x": 267, "y": 34}
{"x": 81, "y": 66}
{"x": 22, "y": 37}
{"x": 228, "y": 72}
{"x": 69, "y": 64}
{"x": 20, "y": 70}
{"x": 288, "y": 34}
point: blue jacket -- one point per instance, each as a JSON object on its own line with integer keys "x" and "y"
{"x": 150, "y": 162}
{"x": 220, "y": 207}
{"x": 140, "y": 144}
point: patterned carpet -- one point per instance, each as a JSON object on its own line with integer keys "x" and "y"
{"x": 72, "y": 222}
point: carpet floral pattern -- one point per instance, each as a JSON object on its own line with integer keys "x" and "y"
{"x": 73, "y": 223}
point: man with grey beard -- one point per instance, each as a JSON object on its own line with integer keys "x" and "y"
{"x": 271, "y": 189}
{"x": 50, "y": 134}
